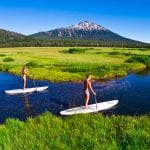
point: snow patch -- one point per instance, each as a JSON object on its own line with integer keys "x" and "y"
{"x": 86, "y": 25}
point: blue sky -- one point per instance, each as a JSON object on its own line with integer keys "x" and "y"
{"x": 130, "y": 18}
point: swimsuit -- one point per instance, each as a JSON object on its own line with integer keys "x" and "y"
{"x": 24, "y": 76}
{"x": 86, "y": 88}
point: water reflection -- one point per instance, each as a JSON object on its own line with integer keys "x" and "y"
{"x": 27, "y": 106}
{"x": 143, "y": 72}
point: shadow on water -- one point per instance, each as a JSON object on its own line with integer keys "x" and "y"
{"x": 27, "y": 107}
{"x": 133, "y": 92}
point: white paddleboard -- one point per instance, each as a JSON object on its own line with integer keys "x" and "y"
{"x": 91, "y": 108}
{"x": 27, "y": 90}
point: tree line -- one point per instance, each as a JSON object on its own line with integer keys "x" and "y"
{"x": 32, "y": 42}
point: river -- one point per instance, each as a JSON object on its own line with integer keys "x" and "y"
{"x": 132, "y": 91}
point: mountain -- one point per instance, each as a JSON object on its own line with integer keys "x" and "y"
{"x": 11, "y": 39}
{"x": 82, "y": 34}
{"x": 8, "y": 36}
{"x": 84, "y": 31}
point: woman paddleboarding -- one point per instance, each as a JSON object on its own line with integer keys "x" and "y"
{"x": 87, "y": 88}
{"x": 24, "y": 76}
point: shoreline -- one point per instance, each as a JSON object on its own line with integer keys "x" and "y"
{"x": 104, "y": 78}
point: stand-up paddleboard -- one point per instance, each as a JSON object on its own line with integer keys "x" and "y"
{"x": 27, "y": 90}
{"x": 91, "y": 108}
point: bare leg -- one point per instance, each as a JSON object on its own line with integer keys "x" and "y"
{"x": 87, "y": 96}
{"x": 24, "y": 83}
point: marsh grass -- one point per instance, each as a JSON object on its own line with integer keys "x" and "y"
{"x": 33, "y": 64}
{"x": 49, "y": 63}
{"x": 8, "y": 59}
{"x": 114, "y": 53}
{"x": 6, "y": 67}
{"x": 140, "y": 59}
{"x": 144, "y": 49}
{"x": 128, "y": 54}
{"x": 78, "y": 50}
{"x": 3, "y": 55}
{"x": 98, "y": 69}
{"x": 82, "y": 132}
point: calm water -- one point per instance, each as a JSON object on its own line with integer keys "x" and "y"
{"x": 133, "y": 91}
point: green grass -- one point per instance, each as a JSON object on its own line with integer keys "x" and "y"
{"x": 2, "y": 55}
{"x": 90, "y": 132}
{"x": 114, "y": 53}
{"x": 78, "y": 50}
{"x": 33, "y": 64}
{"x": 58, "y": 64}
{"x": 140, "y": 58}
{"x": 8, "y": 59}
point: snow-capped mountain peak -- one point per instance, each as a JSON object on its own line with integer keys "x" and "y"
{"x": 86, "y": 25}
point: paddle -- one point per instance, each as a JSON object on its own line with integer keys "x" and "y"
{"x": 95, "y": 101}
{"x": 33, "y": 81}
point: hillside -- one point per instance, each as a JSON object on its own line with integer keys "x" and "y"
{"x": 82, "y": 34}
{"x": 13, "y": 39}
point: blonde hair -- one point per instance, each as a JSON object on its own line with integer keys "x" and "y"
{"x": 88, "y": 75}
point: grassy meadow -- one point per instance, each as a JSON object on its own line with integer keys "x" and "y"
{"x": 84, "y": 132}
{"x": 71, "y": 64}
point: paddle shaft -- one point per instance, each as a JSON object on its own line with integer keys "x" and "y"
{"x": 95, "y": 102}
{"x": 33, "y": 82}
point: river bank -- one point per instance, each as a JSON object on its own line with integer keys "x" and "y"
{"x": 77, "y": 132}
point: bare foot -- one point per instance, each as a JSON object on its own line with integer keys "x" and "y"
{"x": 86, "y": 107}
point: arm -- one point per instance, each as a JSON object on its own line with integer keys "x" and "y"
{"x": 25, "y": 71}
{"x": 90, "y": 86}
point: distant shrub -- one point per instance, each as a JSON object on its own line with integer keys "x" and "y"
{"x": 140, "y": 58}
{"x": 8, "y": 59}
{"x": 2, "y": 55}
{"x": 144, "y": 49}
{"x": 6, "y": 67}
{"x": 33, "y": 64}
{"x": 127, "y": 54}
{"x": 104, "y": 68}
{"x": 77, "y": 50}
{"x": 75, "y": 69}
{"x": 114, "y": 49}
{"x": 114, "y": 53}
{"x": 88, "y": 68}
{"x": 98, "y": 52}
